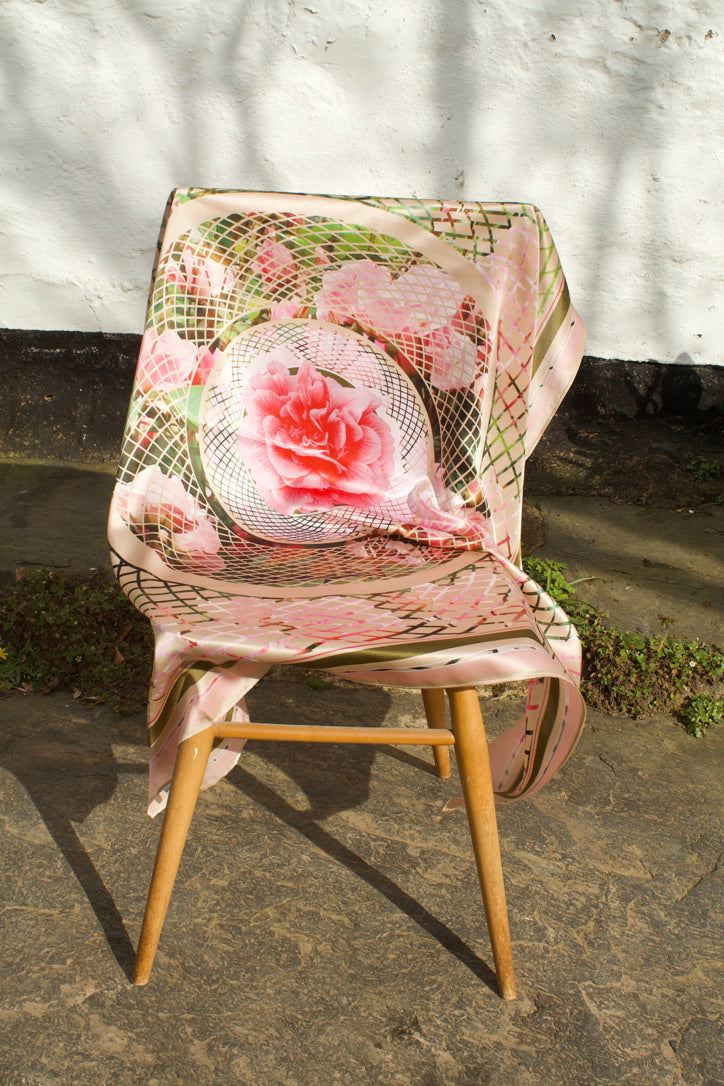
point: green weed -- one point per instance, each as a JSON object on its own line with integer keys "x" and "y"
{"x": 63, "y": 632}
{"x": 11, "y": 671}
{"x": 550, "y": 576}
{"x": 318, "y": 683}
{"x": 626, "y": 673}
{"x": 701, "y": 713}
{"x": 706, "y": 471}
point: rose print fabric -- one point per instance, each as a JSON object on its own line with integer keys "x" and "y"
{"x": 324, "y": 454}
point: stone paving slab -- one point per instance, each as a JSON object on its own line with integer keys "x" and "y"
{"x": 53, "y": 513}
{"x": 654, "y": 570}
{"x": 326, "y": 926}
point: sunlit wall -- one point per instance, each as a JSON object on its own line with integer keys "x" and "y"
{"x": 607, "y": 114}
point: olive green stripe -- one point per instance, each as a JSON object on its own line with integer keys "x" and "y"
{"x": 180, "y": 688}
{"x": 384, "y": 654}
{"x": 550, "y": 715}
{"x": 553, "y": 323}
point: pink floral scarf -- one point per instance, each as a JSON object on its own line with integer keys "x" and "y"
{"x": 324, "y": 454}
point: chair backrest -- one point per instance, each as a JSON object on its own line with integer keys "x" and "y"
{"x": 428, "y": 334}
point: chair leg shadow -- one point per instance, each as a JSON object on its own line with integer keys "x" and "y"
{"x": 106, "y": 911}
{"x": 306, "y": 825}
{"x": 68, "y": 769}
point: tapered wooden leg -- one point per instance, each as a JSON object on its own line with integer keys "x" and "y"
{"x": 471, "y": 750}
{"x": 434, "y": 702}
{"x": 193, "y": 754}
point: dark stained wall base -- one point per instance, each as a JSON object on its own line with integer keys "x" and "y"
{"x": 65, "y": 395}
{"x": 611, "y": 389}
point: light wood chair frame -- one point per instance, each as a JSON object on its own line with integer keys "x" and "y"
{"x": 467, "y": 735}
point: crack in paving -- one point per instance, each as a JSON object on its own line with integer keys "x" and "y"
{"x": 702, "y": 877}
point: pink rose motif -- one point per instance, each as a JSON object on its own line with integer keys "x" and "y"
{"x": 312, "y": 443}
{"x": 470, "y": 321}
{"x": 160, "y": 510}
{"x": 452, "y": 358}
{"x": 145, "y": 431}
{"x": 430, "y": 294}
{"x": 206, "y": 362}
{"x": 275, "y": 264}
{"x": 417, "y": 301}
{"x": 200, "y": 276}
{"x": 168, "y": 362}
{"x": 393, "y": 548}
{"x": 514, "y": 258}
{"x": 288, "y": 309}
{"x": 361, "y": 291}
{"x": 444, "y": 357}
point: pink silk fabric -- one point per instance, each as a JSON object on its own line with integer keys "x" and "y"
{"x": 324, "y": 456}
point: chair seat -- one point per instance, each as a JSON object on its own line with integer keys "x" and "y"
{"x": 383, "y": 611}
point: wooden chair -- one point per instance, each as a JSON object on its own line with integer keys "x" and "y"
{"x": 323, "y": 464}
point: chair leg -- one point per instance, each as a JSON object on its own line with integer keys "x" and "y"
{"x": 471, "y": 750}
{"x": 193, "y": 754}
{"x": 434, "y": 702}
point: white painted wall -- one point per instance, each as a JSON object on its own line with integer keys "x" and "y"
{"x": 608, "y": 114}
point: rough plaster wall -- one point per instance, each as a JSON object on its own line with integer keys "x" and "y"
{"x": 605, "y": 113}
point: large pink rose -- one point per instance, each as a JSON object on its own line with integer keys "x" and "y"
{"x": 312, "y": 443}
{"x": 160, "y": 510}
{"x": 200, "y": 276}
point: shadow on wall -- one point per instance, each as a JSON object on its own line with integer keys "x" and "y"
{"x": 100, "y": 174}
